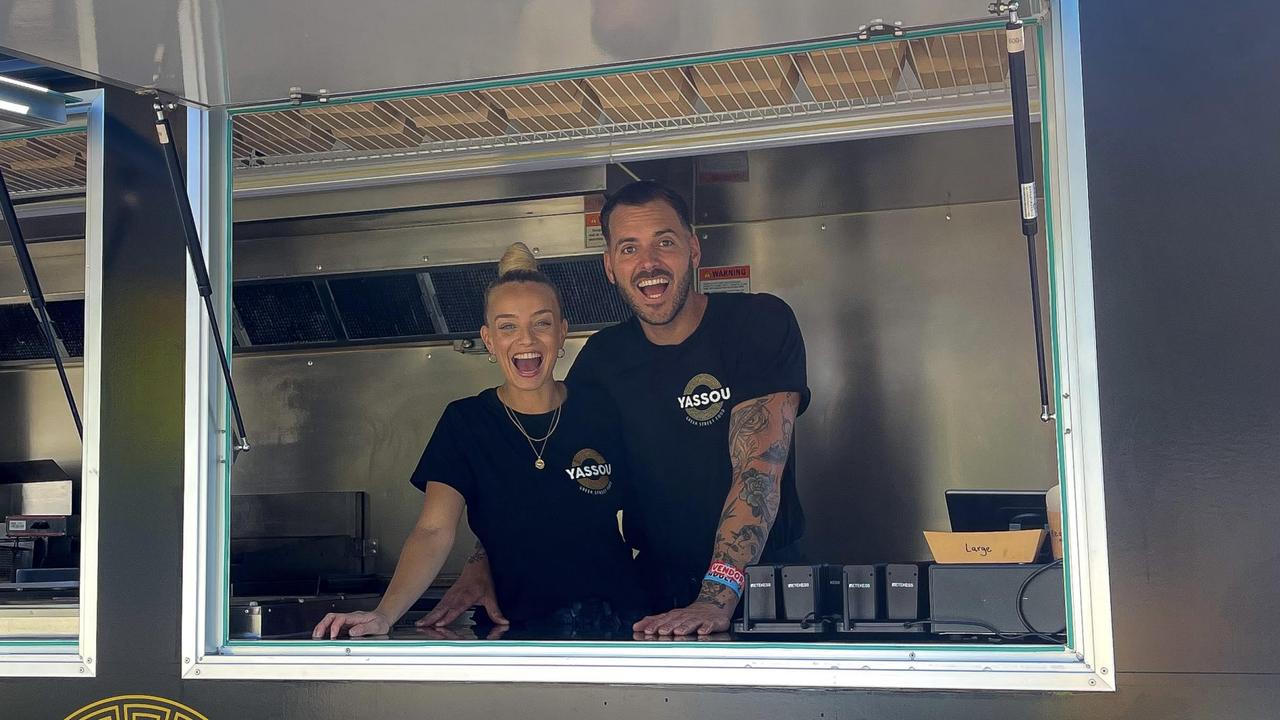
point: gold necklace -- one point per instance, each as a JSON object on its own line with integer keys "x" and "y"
{"x": 538, "y": 463}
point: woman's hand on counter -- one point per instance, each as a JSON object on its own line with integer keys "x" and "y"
{"x": 473, "y": 587}
{"x": 357, "y": 624}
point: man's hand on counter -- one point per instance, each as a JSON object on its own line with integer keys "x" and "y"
{"x": 357, "y": 624}
{"x": 703, "y": 617}
{"x": 473, "y": 587}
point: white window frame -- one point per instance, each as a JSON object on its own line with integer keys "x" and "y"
{"x": 75, "y": 658}
{"x": 1087, "y": 664}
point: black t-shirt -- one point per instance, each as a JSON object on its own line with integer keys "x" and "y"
{"x": 674, "y": 403}
{"x": 551, "y": 535}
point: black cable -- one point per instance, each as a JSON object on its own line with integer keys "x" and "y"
{"x": 995, "y": 631}
{"x": 1022, "y": 614}
{"x": 178, "y": 184}
{"x": 36, "y": 296}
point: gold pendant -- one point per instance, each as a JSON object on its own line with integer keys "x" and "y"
{"x": 539, "y": 464}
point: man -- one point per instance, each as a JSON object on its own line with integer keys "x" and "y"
{"x": 708, "y": 389}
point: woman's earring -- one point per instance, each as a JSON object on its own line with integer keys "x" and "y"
{"x": 493, "y": 358}
{"x": 560, "y": 353}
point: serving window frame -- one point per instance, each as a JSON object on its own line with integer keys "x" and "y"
{"x": 1084, "y": 663}
{"x": 59, "y": 657}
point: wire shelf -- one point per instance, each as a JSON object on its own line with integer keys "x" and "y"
{"x": 843, "y": 81}
{"x": 45, "y": 165}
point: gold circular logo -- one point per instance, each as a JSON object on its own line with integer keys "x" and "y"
{"x": 590, "y": 470}
{"x": 135, "y": 707}
{"x": 706, "y": 405}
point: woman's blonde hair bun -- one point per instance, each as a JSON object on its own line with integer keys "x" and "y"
{"x": 518, "y": 257}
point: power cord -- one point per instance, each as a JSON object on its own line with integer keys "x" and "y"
{"x": 1022, "y": 613}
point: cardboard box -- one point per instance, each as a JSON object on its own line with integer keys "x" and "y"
{"x": 858, "y": 73}
{"x": 636, "y": 97}
{"x": 743, "y": 84}
{"x": 282, "y": 133}
{"x": 366, "y": 126}
{"x": 453, "y": 116}
{"x": 547, "y": 106}
{"x": 1014, "y": 546}
{"x": 65, "y": 162}
{"x": 953, "y": 61}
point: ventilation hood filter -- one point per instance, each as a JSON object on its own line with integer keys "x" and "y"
{"x": 460, "y": 293}
{"x": 589, "y": 298}
{"x": 68, "y": 320}
{"x": 283, "y": 313}
{"x": 20, "y": 336}
{"x": 382, "y": 306}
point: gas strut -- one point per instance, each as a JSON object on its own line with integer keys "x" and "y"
{"x": 1016, "y": 44}
{"x": 37, "y": 297}
{"x": 179, "y": 187}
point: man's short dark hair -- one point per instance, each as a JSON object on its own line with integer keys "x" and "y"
{"x": 643, "y": 192}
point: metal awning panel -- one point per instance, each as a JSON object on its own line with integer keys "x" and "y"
{"x": 224, "y": 53}
{"x": 917, "y": 78}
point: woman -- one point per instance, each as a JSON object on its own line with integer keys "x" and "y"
{"x": 537, "y": 471}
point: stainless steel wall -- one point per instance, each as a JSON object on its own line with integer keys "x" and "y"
{"x": 917, "y": 323}
{"x": 35, "y": 422}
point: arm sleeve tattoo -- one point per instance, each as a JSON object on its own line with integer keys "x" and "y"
{"x": 759, "y": 442}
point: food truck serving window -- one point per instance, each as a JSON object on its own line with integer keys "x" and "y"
{"x": 350, "y": 259}
{"x": 50, "y": 287}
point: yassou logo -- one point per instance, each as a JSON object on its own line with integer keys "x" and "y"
{"x": 704, "y": 399}
{"x": 592, "y": 473}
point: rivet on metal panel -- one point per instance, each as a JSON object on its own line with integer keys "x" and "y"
{"x": 348, "y": 651}
{"x": 426, "y": 258}
{"x": 1066, "y": 431}
{"x": 82, "y": 669}
{"x": 319, "y": 267}
{"x": 911, "y": 655}
{"x": 88, "y": 660}
{"x": 197, "y": 671}
{"x": 1066, "y": 395}
{"x": 537, "y": 251}
{"x": 822, "y": 226}
{"x": 1092, "y": 681}
{"x": 1103, "y": 671}
{"x": 186, "y": 661}
{"x": 311, "y": 363}
{"x": 704, "y": 236}
{"x": 428, "y": 356}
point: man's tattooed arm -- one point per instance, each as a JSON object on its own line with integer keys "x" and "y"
{"x": 759, "y": 442}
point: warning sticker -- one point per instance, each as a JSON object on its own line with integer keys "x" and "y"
{"x": 724, "y": 279}
{"x": 593, "y": 234}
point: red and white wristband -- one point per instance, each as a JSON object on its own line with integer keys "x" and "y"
{"x": 727, "y": 575}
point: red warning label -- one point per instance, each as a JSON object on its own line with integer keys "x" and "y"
{"x": 724, "y": 278}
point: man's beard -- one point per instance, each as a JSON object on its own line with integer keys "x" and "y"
{"x": 647, "y": 315}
